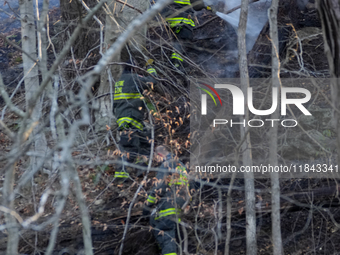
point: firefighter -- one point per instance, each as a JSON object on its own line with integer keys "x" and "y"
{"x": 129, "y": 109}
{"x": 168, "y": 197}
{"x": 179, "y": 16}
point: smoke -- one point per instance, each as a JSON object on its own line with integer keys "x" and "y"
{"x": 257, "y": 17}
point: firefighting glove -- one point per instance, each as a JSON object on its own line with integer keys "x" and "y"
{"x": 146, "y": 211}
{"x": 212, "y": 9}
{"x": 149, "y": 62}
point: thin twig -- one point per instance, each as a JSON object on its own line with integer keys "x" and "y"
{"x": 64, "y": 52}
{"x": 8, "y": 101}
{"x": 18, "y": 48}
{"x": 129, "y": 5}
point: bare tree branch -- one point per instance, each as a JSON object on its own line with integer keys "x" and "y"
{"x": 246, "y": 146}
{"x": 276, "y": 84}
{"x": 91, "y": 77}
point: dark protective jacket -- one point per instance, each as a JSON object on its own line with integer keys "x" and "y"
{"x": 128, "y": 105}
{"x": 174, "y": 19}
{"x": 170, "y": 192}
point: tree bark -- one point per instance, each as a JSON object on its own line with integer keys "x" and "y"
{"x": 12, "y": 225}
{"x": 276, "y": 84}
{"x": 28, "y": 33}
{"x": 246, "y": 145}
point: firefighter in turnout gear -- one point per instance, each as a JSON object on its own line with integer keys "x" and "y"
{"x": 179, "y": 16}
{"x": 168, "y": 196}
{"x": 129, "y": 109}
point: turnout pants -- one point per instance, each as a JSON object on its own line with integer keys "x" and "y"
{"x": 135, "y": 142}
{"x": 132, "y": 144}
{"x": 167, "y": 239}
{"x": 184, "y": 33}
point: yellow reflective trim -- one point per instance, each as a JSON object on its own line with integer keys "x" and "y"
{"x": 176, "y": 56}
{"x": 121, "y": 175}
{"x": 119, "y": 84}
{"x": 181, "y": 168}
{"x": 175, "y": 21}
{"x": 182, "y": 180}
{"x": 167, "y": 212}
{"x": 121, "y": 96}
{"x": 179, "y": 183}
{"x": 128, "y": 120}
{"x": 151, "y": 199}
{"x": 173, "y": 253}
{"x": 151, "y": 70}
{"x": 182, "y": 2}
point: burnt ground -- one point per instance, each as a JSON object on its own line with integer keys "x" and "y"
{"x": 305, "y": 229}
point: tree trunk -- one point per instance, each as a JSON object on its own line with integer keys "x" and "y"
{"x": 276, "y": 82}
{"x": 31, "y": 79}
{"x": 11, "y": 222}
{"x": 246, "y": 145}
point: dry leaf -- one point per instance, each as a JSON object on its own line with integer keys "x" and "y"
{"x": 177, "y": 109}
{"x": 107, "y": 128}
{"x": 151, "y": 84}
{"x": 240, "y": 211}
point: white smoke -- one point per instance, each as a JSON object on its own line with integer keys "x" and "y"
{"x": 257, "y": 17}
